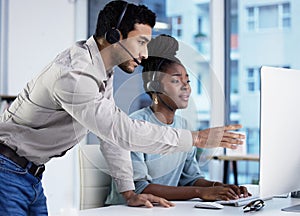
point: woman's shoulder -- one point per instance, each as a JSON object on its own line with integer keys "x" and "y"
{"x": 180, "y": 122}
{"x": 142, "y": 114}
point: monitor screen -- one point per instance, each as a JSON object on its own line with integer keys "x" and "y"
{"x": 280, "y": 131}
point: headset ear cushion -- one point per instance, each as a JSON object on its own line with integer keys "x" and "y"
{"x": 154, "y": 86}
{"x": 113, "y": 36}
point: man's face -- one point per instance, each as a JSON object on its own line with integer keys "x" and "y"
{"x": 136, "y": 44}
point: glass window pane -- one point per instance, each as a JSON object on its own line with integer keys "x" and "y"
{"x": 250, "y": 72}
{"x": 234, "y": 82}
{"x": 286, "y": 8}
{"x": 286, "y": 22}
{"x": 251, "y": 12}
{"x": 268, "y": 16}
{"x": 255, "y": 49}
{"x": 179, "y": 20}
{"x": 251, "y": 86}
{"x": 251, "y": 25}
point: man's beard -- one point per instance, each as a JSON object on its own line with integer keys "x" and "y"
{"x": 125, "y": 67}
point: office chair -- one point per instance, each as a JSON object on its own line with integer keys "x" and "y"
{"x": 95, "y": 180}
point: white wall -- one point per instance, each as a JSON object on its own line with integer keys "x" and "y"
{"x": 37, "y": 32}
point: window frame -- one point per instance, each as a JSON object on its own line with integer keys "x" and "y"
{"x": 4, "y": 11}
{"x": 218, "y": 61}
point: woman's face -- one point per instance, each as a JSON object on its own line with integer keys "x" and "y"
{"x": 176, "y": 87}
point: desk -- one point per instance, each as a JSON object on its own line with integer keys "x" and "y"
{"x": 234, "y": 159}
{"x": 272, "y": 208}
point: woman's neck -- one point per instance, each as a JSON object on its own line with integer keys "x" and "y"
{"x": 163, "y": 114}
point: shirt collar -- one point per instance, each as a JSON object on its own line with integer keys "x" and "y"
{"x": 96, "y": 56}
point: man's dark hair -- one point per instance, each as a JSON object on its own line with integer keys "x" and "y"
{"x": 111, "y": 13}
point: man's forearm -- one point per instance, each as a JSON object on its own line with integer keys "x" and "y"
{"x": 128, "y": 194}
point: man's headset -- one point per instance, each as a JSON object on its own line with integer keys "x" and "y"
{"x": 113, "y": 35}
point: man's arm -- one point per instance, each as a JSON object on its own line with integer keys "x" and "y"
{"x": 78, "y": 94}
{"x": 218, "y": 137}
{"x": 147, "y": 200}
{"x": 120, "y": 166}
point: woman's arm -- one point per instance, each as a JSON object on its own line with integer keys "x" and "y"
{"x": 238, "y": 190}
{"x": 172, "y": 192}
{"x": 190, "y": 192}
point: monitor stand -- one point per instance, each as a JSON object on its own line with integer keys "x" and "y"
{"x": 295, "y": 208}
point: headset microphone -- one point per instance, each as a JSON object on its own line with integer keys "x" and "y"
{"x": 136, "y": 61}
{"x": 164, "y": 103}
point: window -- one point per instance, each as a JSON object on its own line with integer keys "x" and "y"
{"x": 234, "y": 107}
{"x": 253, "y": 79}
{"x": 268, "y": 16}
{"x": 202, "y": 36}
{"x": 276, "y": 16}
{"x": 199, "y": 85}
{"x": 234, "y": 82}
{"x": 286, "y": 15}
{"x": 251, "y": 19}
{"x": 256, "y": 48}
{"x": 200, "y": 24}
{"x": 177, "y": 26}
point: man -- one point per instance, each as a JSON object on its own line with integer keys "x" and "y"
{"x": 72, "y": 96}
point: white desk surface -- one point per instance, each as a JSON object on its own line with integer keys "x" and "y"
{"x": 272, "y": 208}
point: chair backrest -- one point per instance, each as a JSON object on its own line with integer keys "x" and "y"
{"x": 95, "y": 180}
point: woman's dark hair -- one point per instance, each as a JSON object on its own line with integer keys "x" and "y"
{"x": 134, "y": 14}
{"x": 161, "y": 53}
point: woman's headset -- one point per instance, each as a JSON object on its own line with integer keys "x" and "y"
{"x": 154, "y": 84}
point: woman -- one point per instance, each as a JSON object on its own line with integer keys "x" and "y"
{"x": 174, "y": 176}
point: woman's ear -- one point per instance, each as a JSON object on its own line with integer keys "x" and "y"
{"x": 154, "y": 98}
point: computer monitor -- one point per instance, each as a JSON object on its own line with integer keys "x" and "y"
{"x": 279, "y": 131}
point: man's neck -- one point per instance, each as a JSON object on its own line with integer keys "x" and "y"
{"x": 105, "y": 50}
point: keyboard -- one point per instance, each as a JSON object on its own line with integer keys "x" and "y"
{"x": 238, "y": 202}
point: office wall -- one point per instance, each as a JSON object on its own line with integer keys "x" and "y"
{"x": 36, "y": 32}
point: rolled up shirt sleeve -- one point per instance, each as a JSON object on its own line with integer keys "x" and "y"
{"x": 142, "y": 177}
{"x": 119, "y": 164}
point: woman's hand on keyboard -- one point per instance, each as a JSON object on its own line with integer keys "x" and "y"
{"x": 224, "y": 192}
{"x": 217, "y": 193}
{"x": 241, "y": 191}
